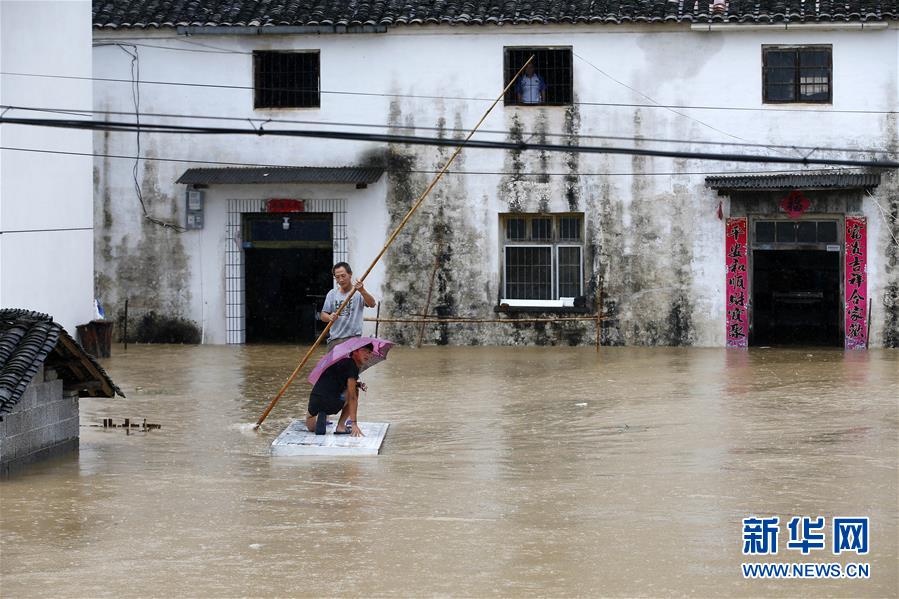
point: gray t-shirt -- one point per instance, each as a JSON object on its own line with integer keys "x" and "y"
{"x": 349, "y": 323}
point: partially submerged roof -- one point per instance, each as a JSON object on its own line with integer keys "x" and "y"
{"x": 350, "y": 175}
{"x": 144, "y": 14}
{"x": 807, "y": 181}
{"x": 28, "y": 340}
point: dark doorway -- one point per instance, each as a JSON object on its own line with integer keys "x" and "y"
{"x": 287, "y": 271}
{"x": 795, "y": 298}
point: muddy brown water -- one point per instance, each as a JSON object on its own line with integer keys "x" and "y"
{"x": 506, "y": 472}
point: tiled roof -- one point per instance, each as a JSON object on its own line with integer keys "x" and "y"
{"x": 281, "y": 174}
{"x": 29, "y": 339}
{"x": 832, "y": 180}
{"x": 143, "y": 14}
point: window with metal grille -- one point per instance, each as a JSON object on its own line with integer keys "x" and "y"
{"x": 286, "y": 79}
{"x": 547, "y": 81}
{"x": 543, "y": 256}
{"x": 791, "y": 232}
{"x": 802, "y": 74}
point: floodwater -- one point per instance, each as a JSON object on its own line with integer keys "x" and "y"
{"x": 505, "y": 472}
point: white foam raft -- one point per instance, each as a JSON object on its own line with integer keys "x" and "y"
{"x": 295, "y": 440}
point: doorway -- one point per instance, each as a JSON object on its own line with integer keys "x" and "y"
{"x": 796, "y": 298}
{"x": 287, "y": 272}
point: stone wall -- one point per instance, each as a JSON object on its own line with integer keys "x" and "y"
{"x": 43, "y": 423}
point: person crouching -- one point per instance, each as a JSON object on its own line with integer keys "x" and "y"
{"x": 326, "y": 397}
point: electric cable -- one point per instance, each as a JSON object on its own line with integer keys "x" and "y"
{"x": 88, "y": 112}
{"x": 413, "y": 171}
{"x": 432, "y": 141}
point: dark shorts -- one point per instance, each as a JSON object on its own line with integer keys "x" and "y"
{"x": 328, "y": 405}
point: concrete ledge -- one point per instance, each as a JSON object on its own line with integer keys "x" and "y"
{"x": 17, "y": 464}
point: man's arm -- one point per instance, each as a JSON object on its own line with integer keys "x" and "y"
{"x": 325, "y": 316}
{"x": 367, "y": 298}
{"x": 352, "y": 408}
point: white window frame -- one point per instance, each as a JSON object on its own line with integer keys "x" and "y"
{"x": 580, "y": 269}
{"x": 554, "y": 244}
{"x": 552, "y": 273}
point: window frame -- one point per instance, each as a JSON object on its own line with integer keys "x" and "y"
{"x": 552, "y": 268}
{"x": 797, "y": 72}
{"x": 509, "y": 71}
{"x": 553, "y": 244}
{"x": 580, "y": 280}
{"x": 257, "y": 75}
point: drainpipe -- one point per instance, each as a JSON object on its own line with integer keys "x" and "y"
{"x": 280, "y": 29}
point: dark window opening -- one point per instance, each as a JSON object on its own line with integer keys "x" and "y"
{"x": 764, "y": 231}
{"x": 806, "y": 232}
{"x": 543, "y": 256}
{"x": 549, "y": 82}
{"x": 570, "y": 228}
{"x": 827, "y": 231}
{"x": 797, "y": 74}
{"x": 515, "y": 229}
{"x": 541, "y": 229}
{"x": 286, "y": 80}
{"x": 788, "y": 231}
{"x": 529, "y": 272}
{"x": 570, "y": 271}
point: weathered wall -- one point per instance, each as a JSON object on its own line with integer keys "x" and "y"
{"x": 653, "y": 240}
{"x": 46, "y": 199}
{"x": 43, "y": 423}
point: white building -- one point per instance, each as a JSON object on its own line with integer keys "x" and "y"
{"x": 509, "y": 230}
{"x": 46, "y": 189}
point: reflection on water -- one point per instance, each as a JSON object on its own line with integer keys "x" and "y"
{"x": 506, "y": 471}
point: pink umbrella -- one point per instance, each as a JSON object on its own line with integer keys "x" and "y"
{"x": 343, "y": 350}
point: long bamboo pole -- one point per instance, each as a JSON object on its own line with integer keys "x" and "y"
{"x": 421, "y": 329}
{"x": 484, "y": 320}
{"x": 599, "y": 316}
{"x": 390, "y": 240}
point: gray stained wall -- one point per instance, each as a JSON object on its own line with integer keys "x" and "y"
{"x": 643, "y": 261}
{"x": 654, "y": 244}
{"x": 43, "y": 423}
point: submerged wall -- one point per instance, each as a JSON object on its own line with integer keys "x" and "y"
{"x": 43, "y": 423}
{"x": 653, "y": 240}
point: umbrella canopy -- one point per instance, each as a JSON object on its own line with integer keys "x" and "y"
{"x": 343, "y": 350}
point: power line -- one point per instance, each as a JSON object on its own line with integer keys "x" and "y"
{"x": 88, "y": 112}
{"x": 47, "y": 230}
{"x": 430, "y": 141}
{"x": 392, "y": 170}
{"x": 803, "y": 110}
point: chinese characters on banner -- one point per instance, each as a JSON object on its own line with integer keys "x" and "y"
{"x": 856, "y": 282}
{"x": 737, "y": 305}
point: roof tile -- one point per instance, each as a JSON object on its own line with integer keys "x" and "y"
{"x": 142, "y": 14}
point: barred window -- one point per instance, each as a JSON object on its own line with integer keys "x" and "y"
{"x": 797, "y": 74}
{"x": 549, "y": 82}
{"x": 793, "y": 231}
{"x": 543, "y": 256}
{"x": 286, "y": 79}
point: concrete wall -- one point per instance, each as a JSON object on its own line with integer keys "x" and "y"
{"x": 46, "y": 200}
{"x": 653, "y": 237}
{"x": 43, "y": 423}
